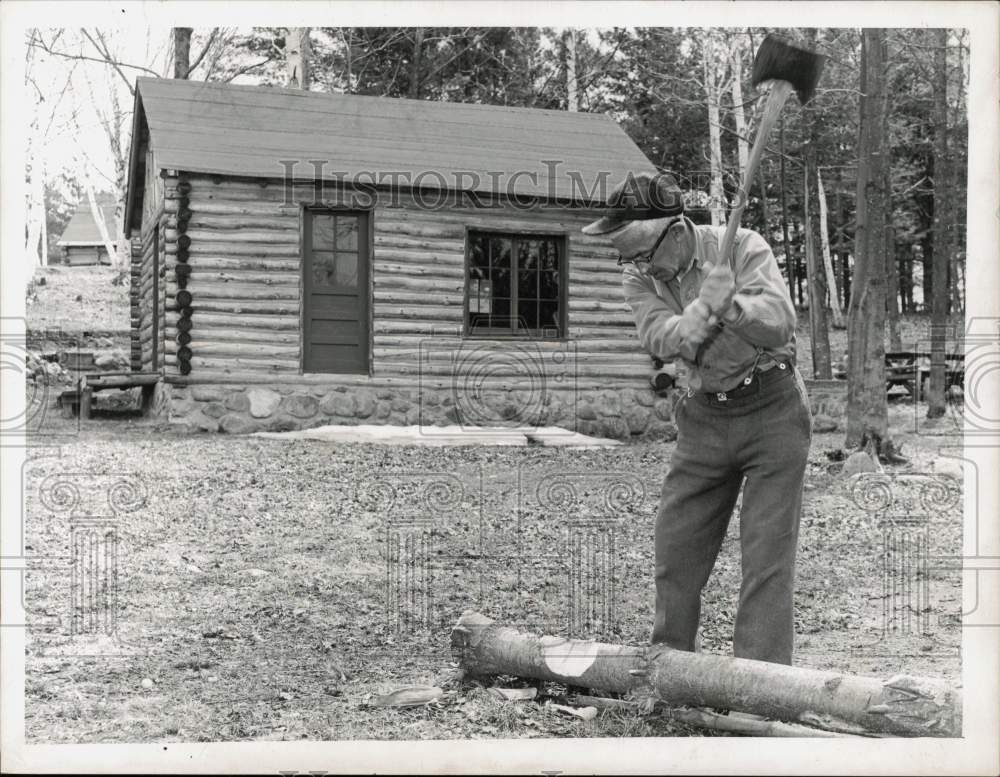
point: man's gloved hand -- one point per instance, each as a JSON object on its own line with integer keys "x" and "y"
{"x": 695, "y": 325}
{"x": 717, "y": 289}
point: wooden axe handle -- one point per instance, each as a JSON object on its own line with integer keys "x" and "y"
{"x": 772, "y": 110}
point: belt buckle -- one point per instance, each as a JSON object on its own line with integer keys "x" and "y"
{"x": 721, "y": 396}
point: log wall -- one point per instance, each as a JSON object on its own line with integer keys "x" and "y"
{"x": 245, "y": 283}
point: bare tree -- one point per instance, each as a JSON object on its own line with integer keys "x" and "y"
{"x": 711, "y": 68}
{"x": 867, "y": 408}
{"x": 182, "y": 51}
{"x": 824, "y": 238}
{"x": 942, "y": 221}
{"x": 569, "y": 45}
{"x": 298, "y": 57}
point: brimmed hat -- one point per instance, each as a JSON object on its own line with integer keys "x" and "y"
{"x": 639, "y": 198}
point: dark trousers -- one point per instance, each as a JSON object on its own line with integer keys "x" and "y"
{"x": 762, "y": 435}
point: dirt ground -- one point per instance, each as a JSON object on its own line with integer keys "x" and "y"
{"x": 272, "y": 590}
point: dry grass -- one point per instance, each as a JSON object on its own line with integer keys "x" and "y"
{"x": 254, "y": 573}
{"x": 76, "y": 299}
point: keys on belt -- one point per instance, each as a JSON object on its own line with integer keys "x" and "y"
{"x": 723, "y": 396}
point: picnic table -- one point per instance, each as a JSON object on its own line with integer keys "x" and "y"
{"x": 912, "y": 370}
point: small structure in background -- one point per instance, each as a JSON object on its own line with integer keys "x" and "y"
{"x": 81, "y": 241}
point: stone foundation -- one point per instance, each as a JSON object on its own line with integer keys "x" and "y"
{"x": 620, "y": 414}
{"x": 239, "y": 409}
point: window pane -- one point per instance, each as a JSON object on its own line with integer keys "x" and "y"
{"x": 527, "y": 313}
{"x": 479, "y": 260}
{"x": 548, "y": 285}
{"x": 323, "y": 268}
{"x": 500, "y": 251}
{"x": 548, "y": 315}
{"x": 347, "y": 270}
{"x": 549, "y": 255}
{"x": 478, "y": 320}
{"x": 527, "y": 254}
{"x": 347, "y": 233}
{"x": 501, "y": 312}
{"x": 501, "y": 282}
{"x": 322, "y": 231}
{"x": 527, "y": 284}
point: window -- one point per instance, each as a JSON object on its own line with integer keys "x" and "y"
{"x": 515, "y": 284}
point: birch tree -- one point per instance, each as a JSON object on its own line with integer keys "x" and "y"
{"x": 824, "y": 237}
{"x": 572, "y": 96}
{"x": 712, "y": 76}
{"x": 297, "y": 57}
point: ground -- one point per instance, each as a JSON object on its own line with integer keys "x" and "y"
{"x": 272, "y": 589}
{"x": 77, "y": 299}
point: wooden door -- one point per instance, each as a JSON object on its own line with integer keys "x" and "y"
{"x": 335, "y": 304}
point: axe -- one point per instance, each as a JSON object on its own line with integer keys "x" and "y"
{"x": 788, "y": 67}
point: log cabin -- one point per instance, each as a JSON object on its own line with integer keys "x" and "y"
{"x": 301, "y": 258}
{"x": 81, "y": 241}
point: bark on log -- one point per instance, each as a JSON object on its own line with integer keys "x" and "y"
{"x": 901, "y": 705}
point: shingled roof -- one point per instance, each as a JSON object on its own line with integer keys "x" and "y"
{"x": 236, "y": 130}
{"x": 82, "y": 229}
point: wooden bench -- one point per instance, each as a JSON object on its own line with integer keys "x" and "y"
{"x": 80, "y": 400}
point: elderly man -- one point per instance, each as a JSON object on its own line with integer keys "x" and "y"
{"x": 745, "y": 414}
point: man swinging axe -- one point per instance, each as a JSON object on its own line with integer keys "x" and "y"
{"x": 716, "y": 299}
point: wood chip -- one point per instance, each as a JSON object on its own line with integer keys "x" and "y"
{"x": 408, "y": 697}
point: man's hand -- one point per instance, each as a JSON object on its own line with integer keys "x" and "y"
{"x": 718, "y": 288}
{"x": 695, "y": 325}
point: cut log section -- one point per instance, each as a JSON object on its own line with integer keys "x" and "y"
{"x": 901, "y": 705}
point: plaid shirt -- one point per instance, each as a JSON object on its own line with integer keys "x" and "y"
{"x": 764, "y": 327}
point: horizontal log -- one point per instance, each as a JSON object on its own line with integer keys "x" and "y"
{"x": 579, "y": 350}
{"x": 239, "y": 306}
{"x": 249, "y": 263}
{"x": 262, "y": 351}
{"x": 426, "y": 270}
{"x": 393, "y": 296}
{"x": 220, "y": 207}
{"x": 201, "y": 276}
{"x": 907, "y": 706}
{"x": 240, "y": 237}
{"x": 421, "y": 258}
{"x": 204, "y": 290}
{"x": 568, "y": 360}
{"x": 233, "y": 249}
{"x": 266, "y": 366}
{"x": 412, "y": 283}
{"x": 413, "y": 229}
{"x": 279, "y": 221}
{"x": 434, "y": 313}
{"x": 614, "y": 371}
{"x": 233, "y": 321}
{"x": 418, "y": 243}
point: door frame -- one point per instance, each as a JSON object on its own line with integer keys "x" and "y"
{"x": 367, "y": 293}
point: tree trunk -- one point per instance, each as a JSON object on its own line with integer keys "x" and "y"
{"x": 742, "y": 146}
{"x": 709, "y": 67}
{"x": 182, "y": 51}
{"x": 902, "y": 705}
{"x": 892, "y": 289}
{"x": 957, "y": 274}
{"x": 786, "y": 243}
{"x": 572, "y": 97}
{"x": 413, "y": 90}
{"x": 942, "y": 221}
{"x": 819, "y": 330}
{"x": 867, "y": 408}
{"x": 843, "y": 255}
{"x": 824, "y": 237}
{"x": 765, "y": 214}
{"x": 297, "y": 57}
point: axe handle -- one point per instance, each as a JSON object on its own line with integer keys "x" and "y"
{"x": 769, "y": 117}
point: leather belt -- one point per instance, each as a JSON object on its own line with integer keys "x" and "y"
{"x": 744, "y": 387}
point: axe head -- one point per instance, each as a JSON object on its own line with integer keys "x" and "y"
{"x": 779, "y": 59}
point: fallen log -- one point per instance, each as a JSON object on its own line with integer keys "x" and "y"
{"x": 901, "y": 705}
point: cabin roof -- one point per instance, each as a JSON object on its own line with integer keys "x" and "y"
{"x": 82, "y": 229}
{"x": 238, "y": 130}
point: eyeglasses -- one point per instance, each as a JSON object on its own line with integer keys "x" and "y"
{"x": 644, "y": 262}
